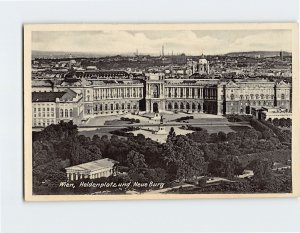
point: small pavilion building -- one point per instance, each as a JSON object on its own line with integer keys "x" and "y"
{"x": 92, "y": 170}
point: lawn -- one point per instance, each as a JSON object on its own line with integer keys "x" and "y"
{"x": 116, "y": 122}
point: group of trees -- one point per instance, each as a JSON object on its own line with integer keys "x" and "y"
{"x": 131, "y": 120}
{"x": 282, "y": 122}
{"x": 182, "y": 157}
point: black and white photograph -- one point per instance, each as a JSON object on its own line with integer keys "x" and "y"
{"x": 160, "y": 111}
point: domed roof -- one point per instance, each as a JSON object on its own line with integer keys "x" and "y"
{"x": 202, "y": 60}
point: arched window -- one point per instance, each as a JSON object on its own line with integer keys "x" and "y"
{"x": 128, "y": 106}
{"x": 100, "y": 107}
{"x": 170, "y": 106}
{"x": 193, "y": 92}
{"x": 169, "y": 92}
{"x": 117, "y": 106}
{"x": 232, "y": 96}
{"x": 71, "y": 113}
{"x": 106, "y": 107}
{"x": 241, "y": 97}
{"x": 61, "y": 113}
{"x": 193, "y": 106}
{"x": 155, "y": 91}
{"x": 262, "y": 96}
{"x": 247, "y": 97}
{"x": 111, "y": 106}
{"x": 257, "y": 96}
{"x": 267, "y": 96}
{"x": 181, "y": 106}
{"x": 187, "y": 106}
{"x": 123, "y": 106}
{"x": 66, "y": 113}
{"x": 282, "y": 96}
{"x": 175, "y": 106}
{"x": 187, "y": 92}
{"x": 252, "y": 96}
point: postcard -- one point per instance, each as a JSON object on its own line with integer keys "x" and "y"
{"x": 161, "y": 111}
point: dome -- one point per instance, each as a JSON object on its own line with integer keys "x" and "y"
{"x": 202, "y": 61}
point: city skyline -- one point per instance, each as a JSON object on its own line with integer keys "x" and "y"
{"x": 151, "y": 42}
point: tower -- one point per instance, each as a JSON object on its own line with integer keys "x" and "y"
{"x": 281, "y": 55}
{"x": 162, "y": 51}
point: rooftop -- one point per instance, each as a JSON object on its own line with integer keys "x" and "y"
{"x": 67, "y": 95}
{"x": 94, "y": 165}
{"x": 46, "y": 96}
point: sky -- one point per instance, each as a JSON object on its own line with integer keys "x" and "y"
{"x": 210, "y": 42}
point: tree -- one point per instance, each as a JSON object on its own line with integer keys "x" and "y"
{"x": 183, "y": 158}
{"x": 275, "y": 122}
{"x": 231, "y": 136}
{"x": 267, "y": 134}
{"x": 222, "y": 136}
{"x": 199, "y": 136}
{"x": 288, "y": 122}
{"x": 282, "y": 122}
{"x": 136, "y": 160}
{"x": 171, "y": 134}
{"x": 262, "y": 169}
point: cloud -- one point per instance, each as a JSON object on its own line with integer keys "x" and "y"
{"x": 120, "y": 42}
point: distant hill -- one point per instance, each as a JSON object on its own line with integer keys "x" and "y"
{"x": 258, "y": 53}
{"x": 57, "y": 54}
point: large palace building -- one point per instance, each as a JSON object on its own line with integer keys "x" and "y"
{"x": 117, "y": 92}
{"x": 213, "y": 96}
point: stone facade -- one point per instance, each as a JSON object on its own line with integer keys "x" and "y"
{"x": 155, "y": 93}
